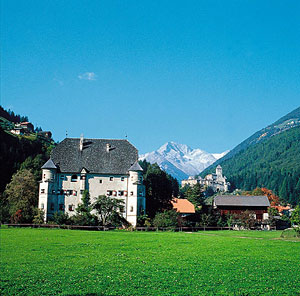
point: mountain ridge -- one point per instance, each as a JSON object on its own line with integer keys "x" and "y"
{"x": 180, "y": 160}
{"x": 290, "y": 120}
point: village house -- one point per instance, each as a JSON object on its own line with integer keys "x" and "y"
{"x": 217, "y": 182}
{"x": 237, "y": 204}
{"x": 22, "y": 128}
{"x": 183, "y": 206}
{"x": 100, "y": 166}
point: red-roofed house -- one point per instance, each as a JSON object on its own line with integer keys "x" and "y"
{"x": 183, "y": 206}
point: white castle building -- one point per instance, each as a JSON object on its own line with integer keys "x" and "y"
{"x": 216, "y": 181}
{"x": 103, "y": 167}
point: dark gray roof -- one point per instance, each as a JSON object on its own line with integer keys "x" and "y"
{"x": 49, "y": 165}
{"x": 242, "y": 201}
{"x": 94, "y": 156}
{"x": 136, "y": 167}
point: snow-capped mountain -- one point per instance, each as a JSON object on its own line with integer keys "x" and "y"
{"x": 181, "y": 161}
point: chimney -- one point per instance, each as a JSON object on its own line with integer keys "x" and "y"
{"x": 107, "y": 147}
{"x": 81, "y": 142}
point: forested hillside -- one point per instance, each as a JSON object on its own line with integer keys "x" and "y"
{"x": 273, "y": 163}
{"x": 15, "y": 149}
{"x": 285, "y": 123}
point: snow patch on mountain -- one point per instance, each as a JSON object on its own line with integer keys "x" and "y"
{"x": 180, "y": 160}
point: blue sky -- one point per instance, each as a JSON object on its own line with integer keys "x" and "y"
{"x": 203, "y": 73}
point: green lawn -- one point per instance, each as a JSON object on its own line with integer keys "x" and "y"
{"x": 70, "y": 262}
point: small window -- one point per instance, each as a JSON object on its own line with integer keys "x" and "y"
{"x": 74, "y": 178}
{"x": 82, "y": 177}
{"x": 61, "y": 207}
{"x": 44, "y": 176}
{"x": 42, "y": 190}
{"x": 42, "y": 206}
{"x": 81, "y": 191}
{"x": 53, "y": 191}
{"x": 131, "y": 193}
{"x": 109, "y": 192}
{"x": 122, "y": 178}
{"x": 111, "y": 178}
{"x": 100, "y": 181}
{"x": 131, "y": 209}
{"x": 71, "y": 208}
{"x": 52, "y": 206}
{"x": 121, "y": 193}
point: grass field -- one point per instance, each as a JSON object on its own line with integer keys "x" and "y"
{"x": 70, "y": 262}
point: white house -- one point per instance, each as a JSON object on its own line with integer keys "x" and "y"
{"x": 103, "y": 167}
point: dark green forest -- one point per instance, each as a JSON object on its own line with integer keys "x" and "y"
{"x": 15, "y": 149}
{"x": 273, "y": 163}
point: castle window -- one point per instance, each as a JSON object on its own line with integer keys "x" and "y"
{"x": 52, "y": 206}
{"x": 71, "y": 208}
{"x": 42, "y": 190}
{"x": 74, "y": 178}
{"x": 131, "y": 193}
{"x": 61, "y": 207}
{"x": 44, "y": 176}
{"x": 109, "y": 192}
{"x": 100, "y": 181}
{"x": 122, "y": 178}
{"x": 111, "y": 178}
{"x": 121, "y": 193}
{"x": 131, "y": 209}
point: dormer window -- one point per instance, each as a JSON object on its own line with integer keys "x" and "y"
{"x": 74, "y": 178}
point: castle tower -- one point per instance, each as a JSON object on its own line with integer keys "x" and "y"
{"x": 219, "y": 171}
{"x": 136, "y": 203}
{"x": 47, "y": 190}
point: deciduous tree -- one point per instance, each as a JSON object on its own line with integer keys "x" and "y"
{"x": 22, "y": 196}
{"x": 108, "y": 208}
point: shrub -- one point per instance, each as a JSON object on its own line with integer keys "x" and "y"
{"x": 168, "y": 219}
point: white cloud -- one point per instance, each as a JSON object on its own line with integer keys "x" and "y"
{"x": 87, "y": 76}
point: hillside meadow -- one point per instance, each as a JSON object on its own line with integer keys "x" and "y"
{"x": 70, "y": 262}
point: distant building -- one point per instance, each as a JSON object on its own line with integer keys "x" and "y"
{"x": 45, "y": 134}
{"x": 22, "y": 128}
{"x": 237, "y": 204}
{"x": 216, "y": 181}
{"x": 183, "y": 206}
{"x": 27, "y": 126}
{"x": 103, "y": 167}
